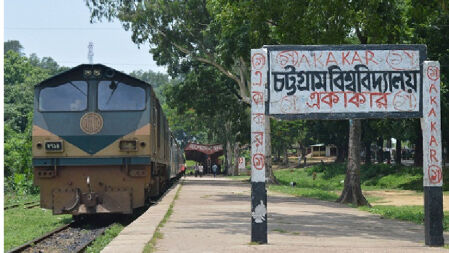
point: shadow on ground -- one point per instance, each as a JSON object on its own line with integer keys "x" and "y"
{"x": 300, "y": 216}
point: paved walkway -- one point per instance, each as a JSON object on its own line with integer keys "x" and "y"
{"x": 213, "y": 215}
{"x": 136, "y": 235}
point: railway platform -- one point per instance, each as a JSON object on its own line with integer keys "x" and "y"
{"x": 212, "y": 215}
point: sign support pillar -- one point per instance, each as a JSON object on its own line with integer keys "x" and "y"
{"x": 259, "y": 69}
{"x": 432, "y": 155}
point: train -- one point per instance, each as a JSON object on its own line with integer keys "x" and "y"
{"x": 100, "y": 142}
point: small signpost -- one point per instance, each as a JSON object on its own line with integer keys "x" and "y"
{"x": 241, "y": 164}
{"x": 346, "y": 82}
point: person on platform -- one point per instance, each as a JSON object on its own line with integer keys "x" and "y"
{"x": 214, "y": 169}
{"x": 196, "y": 170}
{"x": 201, "y": 169}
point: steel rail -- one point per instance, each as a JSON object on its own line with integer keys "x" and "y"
{"x": 39, "y": 239}
{"x": 26, "y": 205}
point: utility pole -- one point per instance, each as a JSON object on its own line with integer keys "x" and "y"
{"x": 90, "y": 54}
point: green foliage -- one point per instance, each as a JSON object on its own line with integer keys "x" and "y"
{"x": 329, "y": 177}
{"x": 13, "y": 45}
{"x": 21, "y": 74}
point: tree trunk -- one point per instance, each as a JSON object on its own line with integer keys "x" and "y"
{"x": 340, "y": 153}
{"x": 352, "y": 192}
{"x": 278, "y": 155}
{"x": 367, "y": 152}
{"x": 398, "y": 157}
{"x": 285, "y": 156}
{"x": 380, "y": 150}
{"x": 236, "y": 158}
{"x": 269, "y": 175}
{"x": 228, "y": 157}
{"x": 418, "y": 150}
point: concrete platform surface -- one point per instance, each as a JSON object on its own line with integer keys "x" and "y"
{"x": 136, "y": 235}
{"x": 213, "y": 215}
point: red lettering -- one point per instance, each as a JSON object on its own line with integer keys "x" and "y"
{"x": 433, "y": 156}
{"x": 369, "y": 56}
{"x": 356, "y": 59}
{"x": 433, "y": 100}
{"x": 433, "y": 140}
{"x": 329, "y": 59}
{"x": 304, "y": 57}
{"x": 433, "y": 87}
{"x": 344, "y": 58}
{"x": 410, "y": 55}
{"x": 432, "y": 126}
{"x": 315, "y": 59}
{"x": 432, "y": 111}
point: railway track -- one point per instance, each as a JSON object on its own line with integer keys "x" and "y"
{"x": 72, "y": 237}
{"x": 77, "y": 235}
{"x": 25, "y": 205}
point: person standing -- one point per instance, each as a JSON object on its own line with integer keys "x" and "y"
{"x": 214, "y": 169}
{"x": 201, "y": 169}
{"x": 196, "y": 170}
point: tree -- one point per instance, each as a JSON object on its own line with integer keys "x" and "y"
{"x": 352, "y": 192}
{"x": 220, "y": 33}
{"x": 219, "y": 114}
{"x": 13, "y": 45}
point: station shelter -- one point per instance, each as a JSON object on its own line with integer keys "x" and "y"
{"x": 205, "y": 154}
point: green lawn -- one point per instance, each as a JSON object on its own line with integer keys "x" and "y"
{"x": 12, "y": 199}
{"x": 23, "y": 225}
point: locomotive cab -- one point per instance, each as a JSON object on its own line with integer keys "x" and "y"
{"x": 100, "y": 142}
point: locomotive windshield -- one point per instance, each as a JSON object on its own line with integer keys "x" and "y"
{"x": 117, "y": 96}
{"x": 70, "y": 96}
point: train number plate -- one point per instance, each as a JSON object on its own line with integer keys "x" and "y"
{"x": 53, "y": 146}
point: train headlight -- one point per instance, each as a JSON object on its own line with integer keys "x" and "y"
{"x": 128, "y": 145}
{"x": 87, "y": 73}
{"x": 97, "y": 73}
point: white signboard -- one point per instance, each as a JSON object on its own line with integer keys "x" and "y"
{"x": 431, "y": 126}
{"x": 259, "y": 70}
{"x": 242, "y": 163}
{"x": 370, "y": 81}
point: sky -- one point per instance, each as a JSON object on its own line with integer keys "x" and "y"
{"x": 60, "y": 29}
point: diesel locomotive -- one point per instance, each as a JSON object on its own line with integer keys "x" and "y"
{"x": 101, "y": 142}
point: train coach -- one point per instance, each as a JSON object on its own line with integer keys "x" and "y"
{"x": 100, "y": 142}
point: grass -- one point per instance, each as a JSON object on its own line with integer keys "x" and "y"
{"x": 12, "y": 199}
{"x": 23, "y": 225}
{"x": 106, "y": 238}
{"x": 151, "y": 245}
{"x": 329, "y": 182}
{"x": 414, "y": 214}
{"x": 239, "y": 178}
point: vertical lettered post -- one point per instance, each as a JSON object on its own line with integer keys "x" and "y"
{"x": 259, "y": 67}
{"x": 432, "y": 155}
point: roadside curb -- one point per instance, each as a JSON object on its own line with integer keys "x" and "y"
{"x": 136, "y": 235}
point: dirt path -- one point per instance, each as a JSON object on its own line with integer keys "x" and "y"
{"x": 402, "y": 198}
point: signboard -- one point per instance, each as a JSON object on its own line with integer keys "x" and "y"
{"x": 340, "y": 82}
{"x": 206, "y": 149}
{"x": 242, "y": 163}
{"x": 431, "y": 126}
